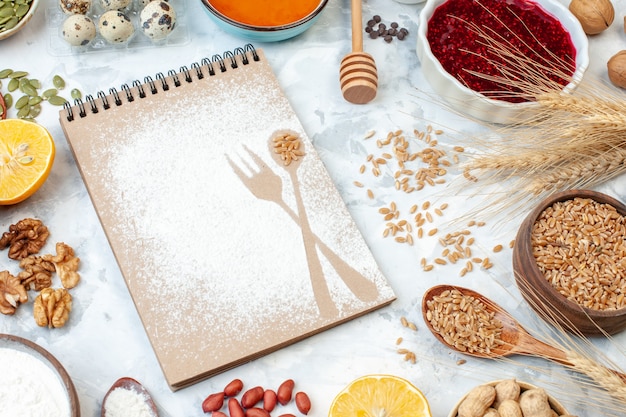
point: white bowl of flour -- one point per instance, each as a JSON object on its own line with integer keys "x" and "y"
{"x": 33, "y": 383}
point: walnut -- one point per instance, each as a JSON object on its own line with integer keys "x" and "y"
{"x": 52, "y": 307}
{"x": 66, "y": 265}
{"x": 594, "y": 16}
{"x": 37, "y": 273}
{"x": 616, "y": 67}
{"x": 24, "y": 238}
{"x": 12, "y": 293}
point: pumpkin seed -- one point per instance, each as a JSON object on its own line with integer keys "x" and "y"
{"x": 57, "y": 100}
{"x": 8, "y": 100}
{"x": 21, "y": 10}
{"x": 58, "y": 82}
{"x": 21, "y": 102}
{"x": 34, "y": 100}
{"x": 35, "y": 83}
{"x": 7, "y": 11}
{"x": 5, "y": 73}
{"x": 18, "y": 74}
{"x": 49, "y": 93}
{"x": 11, "y": 23}
{"x": 28, "y": 89}
{"x": 34, "y": 111}
{"x": 13, "y": 84}
{"x": 76, "y": 94}
{"x": 23, "y": 112}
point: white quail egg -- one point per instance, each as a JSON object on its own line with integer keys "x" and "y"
{"x": 75, "y": 6}
{"x": 78, "y": 30}
{"x": 157, "y": 19}
{"x": 115, "y": 27}
{"x": 114, "y": 4}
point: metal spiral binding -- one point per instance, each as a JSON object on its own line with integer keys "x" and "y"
{"x": 205, "y": 67}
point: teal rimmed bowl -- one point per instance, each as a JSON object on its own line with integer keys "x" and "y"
{"x": 263, "y": 33}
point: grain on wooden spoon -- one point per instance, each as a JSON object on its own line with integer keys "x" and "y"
{"x": 507, "y": 338}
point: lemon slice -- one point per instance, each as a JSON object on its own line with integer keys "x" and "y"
{"x": 380, "y": 396}
{"x": 26, "y": 156}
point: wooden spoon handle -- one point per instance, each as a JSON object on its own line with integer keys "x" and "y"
{"x": 357, "y": 26}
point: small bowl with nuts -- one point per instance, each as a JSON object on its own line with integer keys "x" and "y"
{"x": 15, "y": 15}
{"x": 508, "y": 397}
{"x": 569, "y": 261}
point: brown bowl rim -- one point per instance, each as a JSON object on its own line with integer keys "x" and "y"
{"x": 240, "y": 25}
{"x": 532, "y": 217}
{"x": 554, "y": 403}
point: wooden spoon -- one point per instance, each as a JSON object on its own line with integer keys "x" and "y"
{"x": 516, "y": 339}
{"x": 131, "y": 385}
{"x": 357, "y": 74}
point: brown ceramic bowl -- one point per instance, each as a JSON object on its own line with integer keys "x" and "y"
{"x": 12, "y": 342}
{"x": 542, "y": 296}
{"x": 554, "y": 404}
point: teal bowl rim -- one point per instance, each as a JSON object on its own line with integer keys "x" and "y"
{"x": 264, "y": 29}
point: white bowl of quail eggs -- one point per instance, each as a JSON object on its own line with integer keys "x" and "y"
{"x": 97, "y": 24}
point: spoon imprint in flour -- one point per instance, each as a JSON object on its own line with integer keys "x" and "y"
{"x": 515, "y": 339}
{"x": 265, "y": 184}
{"x": 132, "y": 386}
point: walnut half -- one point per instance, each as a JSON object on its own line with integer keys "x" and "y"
{"x": 66, "y": 265}
{"x": 12, "y": 293}
{"x": 52, "y": 307}
{"x": 24, "y": 238}
{"x": 37, "y": 273}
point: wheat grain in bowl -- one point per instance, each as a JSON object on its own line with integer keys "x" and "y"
{"x": 490, "y": 58}
{"x": 570, "y": 261}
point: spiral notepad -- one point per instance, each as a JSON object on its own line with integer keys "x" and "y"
{"x": 229, "y": 252}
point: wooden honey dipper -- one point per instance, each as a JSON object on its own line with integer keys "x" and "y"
{"x": 357, "y": 75}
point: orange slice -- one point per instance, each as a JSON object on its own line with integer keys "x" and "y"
{"x": 26, "y": 156}
{"x": 380, "y": 395}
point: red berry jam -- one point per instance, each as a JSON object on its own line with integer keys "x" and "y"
{"x": 522, "y": 25}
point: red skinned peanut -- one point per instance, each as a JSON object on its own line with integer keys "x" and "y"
{"x": 287, "y": 415}
{"x": 269, "y": 400}
{"x": 251, "y": 397}
{"x": 303, "y": 403}
{"x": 213, "y": 402}
{"x": 234, "y": 408}
{"x": 233, "y": 388}
{"x": 285, "y": 391}
{"x": 218, "y": 414}
{"x": 257, "y": 412}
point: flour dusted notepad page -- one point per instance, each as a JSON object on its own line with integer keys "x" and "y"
{"x": 221, "y": 242}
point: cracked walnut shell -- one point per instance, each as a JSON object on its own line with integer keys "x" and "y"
{"x": 66, "y": 265}
{"x": 12, "y": 293}
{"x": 24, "y": 238}
{"x": 37, "y": 273}
{"x": 52, "y": 307}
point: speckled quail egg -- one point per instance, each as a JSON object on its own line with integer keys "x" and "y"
{"x": 75, "y": 6}
{"x": 115, "y": 27}
{"x": 114, "y": 4}
{"x": 78, "y": 30}
{"x": 157, "y": 19}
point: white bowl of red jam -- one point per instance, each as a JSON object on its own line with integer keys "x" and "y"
{"x": 489, "y": 59}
